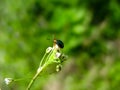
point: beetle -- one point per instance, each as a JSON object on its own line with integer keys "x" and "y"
{"x": 59, "y": 43}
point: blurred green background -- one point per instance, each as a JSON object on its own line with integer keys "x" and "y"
{"x": 90, "y": 30}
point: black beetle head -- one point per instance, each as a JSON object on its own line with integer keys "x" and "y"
{"x": 59, "y": 43}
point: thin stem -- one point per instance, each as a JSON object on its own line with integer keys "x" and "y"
{"x": 33, "y": 79}
{"x": 21, "y": 79}
{"x": 42, "y": 60}
{"x": 47, "y": 58}
{"x": 42, "y": 66}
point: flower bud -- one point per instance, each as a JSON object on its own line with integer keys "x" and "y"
{"x": 58, "y": 67}
{"x": 48, "y": 49}
{"x": 57, "y": 55}
{"x": 8, "y": 80}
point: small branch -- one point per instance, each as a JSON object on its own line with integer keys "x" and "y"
{"x": 48, "y": 58}
{"x": 42, "y": 60}
{"x": 34, "y": 78}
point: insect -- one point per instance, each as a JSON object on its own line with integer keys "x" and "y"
{"x": 56, "y": 42}
{"x": 59, "y": 43}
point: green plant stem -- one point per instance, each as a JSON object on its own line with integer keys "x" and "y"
{"x": 48, "y": 57}
{"x": 40, "y": 65}
{"x": 21, "y": 79}
{"x": 48, "y": 61}
{"x": 34, "y": 78}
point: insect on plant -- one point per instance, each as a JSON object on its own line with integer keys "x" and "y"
{"x": 53, "y": 55}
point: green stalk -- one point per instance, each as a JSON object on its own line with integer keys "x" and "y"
{"x": 48, "y": 60}
{"x": 33, "y": 79}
